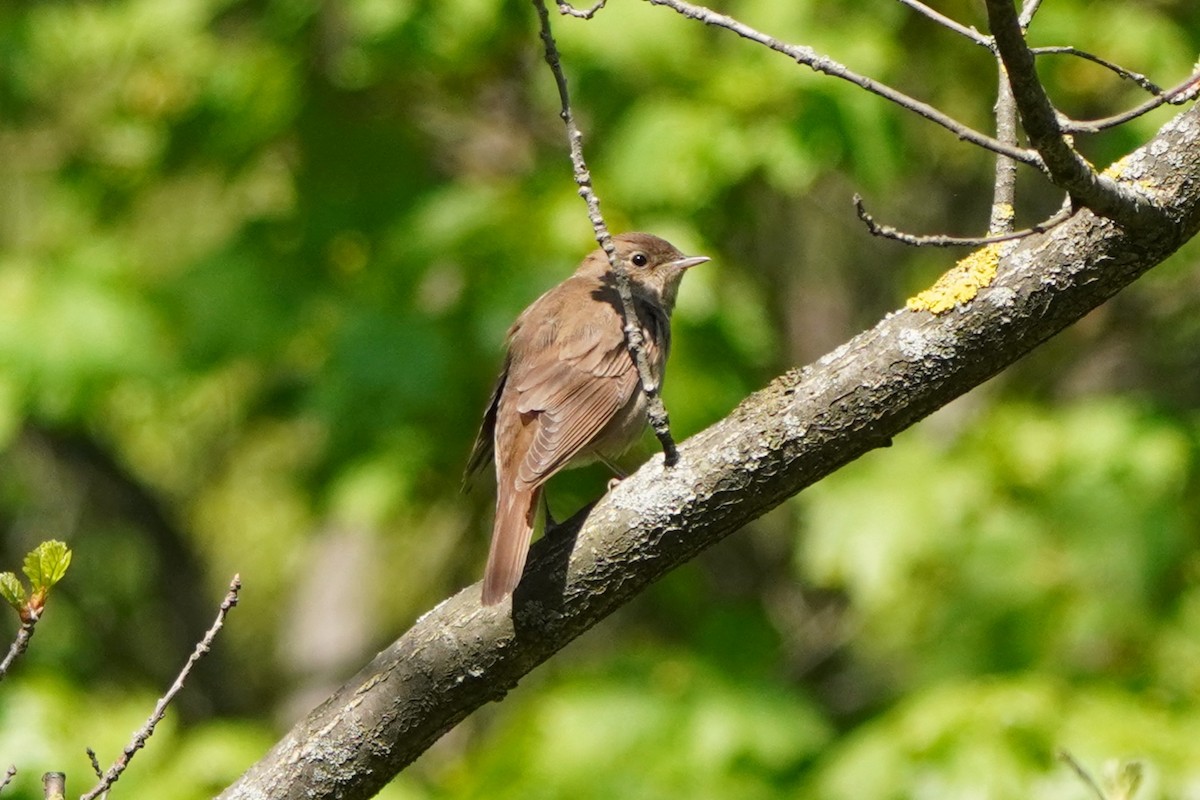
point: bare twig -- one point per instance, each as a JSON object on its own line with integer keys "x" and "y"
{"x": 1067, "y": 168}
{"x": 888, "y": 232}
{"x": 160, "y": 709}
{"x": 1083, "y": 774}
{"x": 1004, "y": 190}
{"x": 569, "y": 10}
{"x": 1027, "y": 11}
{"x": 19, "y": 644}
{"x": 823, "y": 64}
{"x": 1178, "y": 95}
{"x": 96, "y": 768}
{"x": 941, "y": 19}
{"x": 95, "y": 762}
{"x": 1125, "y": 74}
{"x": 656, "y": 412}
{"x": 9, "y": 774}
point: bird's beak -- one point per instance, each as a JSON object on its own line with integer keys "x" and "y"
{"x": 685, "y": 263}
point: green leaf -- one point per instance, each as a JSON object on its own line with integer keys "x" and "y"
{"x": 47, "y": 564}
{"x": 12, "y": 590}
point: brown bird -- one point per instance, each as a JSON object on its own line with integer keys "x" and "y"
{"x": 569, "y": 392}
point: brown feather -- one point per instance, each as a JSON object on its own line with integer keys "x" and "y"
{"x": 569, "y": 391}
{"x": 510, "y": 543}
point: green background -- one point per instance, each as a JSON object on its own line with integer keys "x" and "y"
{"x": 256, "y": 264}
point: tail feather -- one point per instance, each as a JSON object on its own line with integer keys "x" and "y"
{"x": 515, "y": 513}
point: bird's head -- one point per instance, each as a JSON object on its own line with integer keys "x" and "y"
{"x": 655, "y": 266}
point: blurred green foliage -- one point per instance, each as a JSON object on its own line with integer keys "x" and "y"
{"x": 256, "y": 262}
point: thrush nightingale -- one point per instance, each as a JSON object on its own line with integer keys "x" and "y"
{"x": 569, "y": 392}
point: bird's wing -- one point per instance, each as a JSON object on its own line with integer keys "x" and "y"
{"x": 485, "y": 440}
{"x": 572, "y": 396}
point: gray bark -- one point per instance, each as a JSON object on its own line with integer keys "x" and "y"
{"x": 803, "y": 426}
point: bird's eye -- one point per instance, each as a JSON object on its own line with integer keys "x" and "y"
{"x": 640, "y": 259}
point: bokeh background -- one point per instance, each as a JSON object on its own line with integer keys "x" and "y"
{"x": 257, "y": 259}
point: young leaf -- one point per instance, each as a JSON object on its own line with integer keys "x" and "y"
{"x": 12, "y": 590}
{"x": 46, "y": 564}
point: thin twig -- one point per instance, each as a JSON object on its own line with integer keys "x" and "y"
{"x": 95, "y": 762}
{"x": 566, "y": 9}
{"x": 1028, "y": 9}
{"x": 656, "y": 412}
{"x": 1183, "y": 93}
{"x": 914, "y": 240}
{"x": 825, "y": 65}
{"x": 941, "y": 19}
{"x": 1066, "y": 167}
{"x": 160, "y": 709}
{"x": 96, "y": 768}
{"x": 1004, "y": 190}
{"x": 21, "y": 643}
{"x": 1125, "y": 74}
{"x": 1083, "y": 774}
{"x": 8, "y": 776}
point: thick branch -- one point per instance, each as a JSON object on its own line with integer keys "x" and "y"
{"x": 802, "y": 427}
{"x": 1067, "y": 168}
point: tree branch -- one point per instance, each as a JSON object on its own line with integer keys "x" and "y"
{"x": 823, "y": 64}
{"x": 1182, "y": 93}
{"x": 569, "y": 10}
{"x": 656, "y": 412}
{"x": 1125, "y": 74}
{"x": 160, "y": 709}
{"x": 973, "y": 35}
{"x": 803, "y": 426}
{"x": 1067, "y": 168}
{"x": 19, "y": 645}
{"x": 915, "y": 240}
{"x": 1004, "y": 186}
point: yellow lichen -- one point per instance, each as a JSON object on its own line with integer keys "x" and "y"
{"x": 960, "y": 283}
{"x": 1116, "y": 169}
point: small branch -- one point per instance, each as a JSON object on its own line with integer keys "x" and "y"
{"x": 1067, "y": 168}
{"x": 54, "y": 786}
{"x": 1083, "y": 774}
{"x": 8, "y": 776}
{"x": 1125, "y": 74}
{"x": 656, "y": 412}
{"x": 941, "y": 19}
{"x": 568, "y": 10}
{"x": 1027, "y": 11}
{"x": 946, "y": 22}
{"x": 160, "y": 709}
{"x": 1183, "y": 93}
{"x": 825, "y": 65}
{"x": 1004, "y": 190}
{"x": 95, "y": 762}
{"x": 914, "y": 240}
{"x": 19, "y": 645}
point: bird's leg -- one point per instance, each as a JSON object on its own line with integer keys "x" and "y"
{"x": 618, "y": 473}
{"x": 550, "y": 521}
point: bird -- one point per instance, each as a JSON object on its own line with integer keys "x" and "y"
{"x": 569, "y": 392}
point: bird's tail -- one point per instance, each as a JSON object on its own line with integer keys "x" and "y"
{"x": 516, "y": 510}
